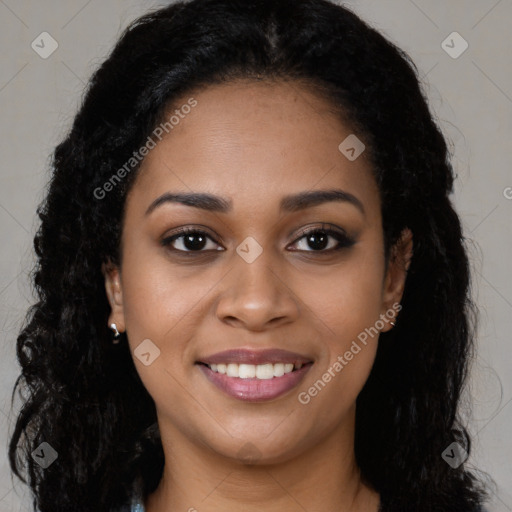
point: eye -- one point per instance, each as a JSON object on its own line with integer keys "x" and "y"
{"x": 189, "y": 240}
{"x": 318, "y": 239}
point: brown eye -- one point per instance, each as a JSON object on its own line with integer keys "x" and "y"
{"x": 317, "y": 239}
{"x": 190, "y": 240}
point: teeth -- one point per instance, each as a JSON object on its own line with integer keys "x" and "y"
{"x": 264, "y": 371}
{"x": 251, "y": 371}
{"x": 232, "y": 370}
{"x": 247, "y": 371}
{"x": 278, "y": 370}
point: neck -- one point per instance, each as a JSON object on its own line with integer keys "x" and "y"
{"x": 325, "y": 477}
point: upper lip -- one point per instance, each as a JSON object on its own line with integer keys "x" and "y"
{"x": 247, "y": 356}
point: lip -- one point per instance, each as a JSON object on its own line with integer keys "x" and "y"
{"x": 247, "y": 356}
{"x": 255, "y": 390}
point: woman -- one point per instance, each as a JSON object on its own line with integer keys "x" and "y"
{"x": 254, "y": 290}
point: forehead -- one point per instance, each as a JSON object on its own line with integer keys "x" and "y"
{"x": 253, "y": 142}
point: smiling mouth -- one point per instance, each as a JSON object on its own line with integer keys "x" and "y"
{"x": 255, "y": 382}
{"x": 254, "y": 371}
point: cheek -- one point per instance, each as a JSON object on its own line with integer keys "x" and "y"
{"x": 160, "y": 305}
{"x": 347, "y": 298}
{"x": 166, "y": 303}
{"x": 347, "y": 311}
{"x": 156, "y": 293}
{"x": 349, "y": 341}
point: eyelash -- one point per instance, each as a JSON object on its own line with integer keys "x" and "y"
{"x": 344, "y": 241}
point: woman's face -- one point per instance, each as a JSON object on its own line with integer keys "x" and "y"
{"x": 253, "y": 280}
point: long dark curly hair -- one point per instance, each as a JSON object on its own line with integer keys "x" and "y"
{"x": 82, "y": 394}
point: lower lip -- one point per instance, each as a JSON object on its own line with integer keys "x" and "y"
{"x": 255, "y": 390}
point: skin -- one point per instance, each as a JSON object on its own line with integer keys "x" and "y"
{"x": 254, "y": 143}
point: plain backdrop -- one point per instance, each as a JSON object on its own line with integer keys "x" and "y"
{"x": 470, "y": 95}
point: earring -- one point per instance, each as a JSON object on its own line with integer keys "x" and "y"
{"x": 116, "y": 333}
{"x": 392, "y": 323}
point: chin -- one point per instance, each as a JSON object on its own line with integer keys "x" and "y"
{"x": 260, "y": 451}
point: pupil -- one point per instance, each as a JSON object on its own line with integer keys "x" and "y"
{"x": 321, "y": 243}
{"x": 320, "y": 235}
{"x": 189, "y": 244}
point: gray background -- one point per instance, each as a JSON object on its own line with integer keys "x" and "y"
{"x": 471, "y": 97}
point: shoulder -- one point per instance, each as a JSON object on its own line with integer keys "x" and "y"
{"x": 135, "y": 506}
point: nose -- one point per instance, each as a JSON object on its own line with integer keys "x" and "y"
{"x": 256, "y": 296}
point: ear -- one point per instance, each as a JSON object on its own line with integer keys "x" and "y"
{"x": 115, "y": 295}
{"x": 396, "y": 273}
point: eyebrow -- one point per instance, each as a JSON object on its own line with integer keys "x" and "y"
{"x": 290, "y": 203}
